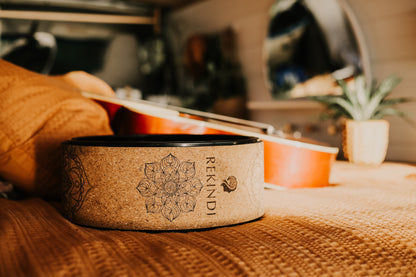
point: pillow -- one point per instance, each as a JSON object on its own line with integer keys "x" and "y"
{"x": 38, "y": 113}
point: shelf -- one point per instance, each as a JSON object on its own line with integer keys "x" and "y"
{"x": 79, "y": 17}
{"x": 293, "y": 104}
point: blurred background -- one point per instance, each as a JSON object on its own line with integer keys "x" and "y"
{"x": 256, "y": 60}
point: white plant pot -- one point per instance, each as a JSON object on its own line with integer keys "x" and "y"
{"x": 366, "y": 142}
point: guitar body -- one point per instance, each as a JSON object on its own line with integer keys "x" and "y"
{"x": 288, "y": 163}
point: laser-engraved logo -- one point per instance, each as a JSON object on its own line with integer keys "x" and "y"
{"x": 75, "y": 182}
{"x": 230, "y": 184}
{"x": 170, "y": 187}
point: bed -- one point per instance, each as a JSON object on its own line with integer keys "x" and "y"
{"x": 363, "y": 224}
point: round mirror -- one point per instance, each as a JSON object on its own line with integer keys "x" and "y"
{"x": 310, "y": 44}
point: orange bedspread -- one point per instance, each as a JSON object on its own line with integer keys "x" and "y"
{"x": 363, "y": 225}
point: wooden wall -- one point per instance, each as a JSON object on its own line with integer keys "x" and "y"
{"x": 390, "y": 33}
{"x": 388, "y": 28}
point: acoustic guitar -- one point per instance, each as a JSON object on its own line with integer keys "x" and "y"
{"x": 289, "y": 162}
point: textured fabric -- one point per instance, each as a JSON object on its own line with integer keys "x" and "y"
{"x": 38, "y": 113}
{"x": 363, "y": 225}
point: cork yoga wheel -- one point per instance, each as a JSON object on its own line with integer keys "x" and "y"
{"x": 163, "y": 182}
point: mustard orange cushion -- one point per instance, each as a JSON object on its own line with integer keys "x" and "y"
{"x": 38, "y": 113}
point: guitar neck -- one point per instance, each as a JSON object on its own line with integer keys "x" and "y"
{"x": 156, "y": 109}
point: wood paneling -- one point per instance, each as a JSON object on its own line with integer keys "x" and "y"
{"x": 389, "y": 29}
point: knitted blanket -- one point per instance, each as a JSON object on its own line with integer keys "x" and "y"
{"x": 362, "y": 225}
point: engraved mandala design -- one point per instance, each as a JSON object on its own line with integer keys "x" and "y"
{"x": 75, "y": 182}
{"x": 170, "y": 187}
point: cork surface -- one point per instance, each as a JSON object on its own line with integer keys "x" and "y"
{"x": 163, "y": 188}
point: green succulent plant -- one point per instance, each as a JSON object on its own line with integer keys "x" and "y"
{"x": 363, "y": 102}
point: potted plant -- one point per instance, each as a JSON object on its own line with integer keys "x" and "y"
{"x": 366, "y": 133}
